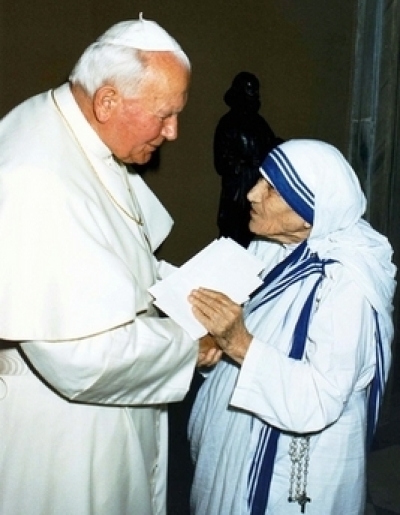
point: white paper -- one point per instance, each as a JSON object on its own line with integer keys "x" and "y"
{"x": 223, "y": 265}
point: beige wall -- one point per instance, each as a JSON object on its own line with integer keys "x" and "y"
{"x": 301, "y": 52}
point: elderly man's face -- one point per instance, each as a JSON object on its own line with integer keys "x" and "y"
{"x": 138, "y": 126}
{"x": 273, "y": 218}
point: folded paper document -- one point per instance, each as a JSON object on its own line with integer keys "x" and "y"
{"x": 223, "y": 266}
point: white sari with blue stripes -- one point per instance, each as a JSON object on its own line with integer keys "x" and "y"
{"x": 317, "y": 364}
{"x": 242, "y": 462}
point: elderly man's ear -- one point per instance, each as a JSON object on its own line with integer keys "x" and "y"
{"x": 105, "y": 100}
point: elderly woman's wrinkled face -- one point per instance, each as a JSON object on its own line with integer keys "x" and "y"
{"x": 273, "y": 218}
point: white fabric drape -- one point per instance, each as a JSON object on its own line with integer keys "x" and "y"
{"x": 325, "y": 393}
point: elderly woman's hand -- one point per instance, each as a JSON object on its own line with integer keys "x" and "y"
{"x": 223, "y": 319}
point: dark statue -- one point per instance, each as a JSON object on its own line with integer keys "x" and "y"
{"x": 242, "y": 140}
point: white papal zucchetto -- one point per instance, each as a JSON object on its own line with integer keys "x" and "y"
{"x": 142, "y": 35}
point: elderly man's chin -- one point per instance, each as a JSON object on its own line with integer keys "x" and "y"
{"x": 141, "y": 158}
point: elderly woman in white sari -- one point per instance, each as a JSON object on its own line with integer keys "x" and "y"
{"x": 282, "y": 423}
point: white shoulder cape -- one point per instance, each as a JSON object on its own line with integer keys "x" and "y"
{"x": 72, "y": 264}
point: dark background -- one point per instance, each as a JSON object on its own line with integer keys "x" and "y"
{"x": 302, "y": 53}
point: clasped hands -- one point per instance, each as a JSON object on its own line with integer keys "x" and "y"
{"x": 224, "y": 322}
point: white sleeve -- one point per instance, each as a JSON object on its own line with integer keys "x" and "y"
{"x": 150, "y": 361}
{"x": 339, "y": 359}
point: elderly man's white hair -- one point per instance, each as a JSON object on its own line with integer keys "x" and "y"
{"x": 119, "y": 56}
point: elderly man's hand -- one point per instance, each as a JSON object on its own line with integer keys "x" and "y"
{"x": 209, "y": 352}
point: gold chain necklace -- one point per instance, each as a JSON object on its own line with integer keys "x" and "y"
{"x": 138, "y": 220}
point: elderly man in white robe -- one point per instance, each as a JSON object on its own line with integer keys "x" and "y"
{"x": 282, "y": 424}
{"x": 87, "y": 365}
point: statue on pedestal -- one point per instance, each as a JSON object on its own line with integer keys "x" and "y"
{"x": 242, "y": 140}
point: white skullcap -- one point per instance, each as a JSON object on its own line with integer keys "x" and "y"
{"x": 141, "y": 34}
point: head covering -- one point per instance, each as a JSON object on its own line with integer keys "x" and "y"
{"x": 319, "y": 184}
{"x": 279, "y": 171}
{"x": 140, "y": 34}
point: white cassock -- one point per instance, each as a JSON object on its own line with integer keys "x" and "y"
{"x": 74, "y": 271}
